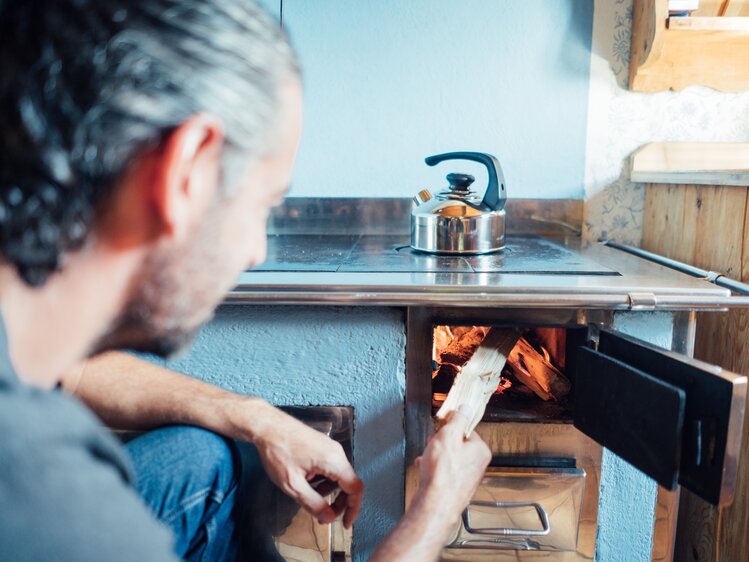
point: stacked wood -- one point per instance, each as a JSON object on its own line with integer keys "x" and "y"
{"x": 464, "y": 343}
{"x": 534, "y": 362}
{"x": 453, "y": 346}
{"x": 479, "y": 377}
{"x": 535, "y": 370}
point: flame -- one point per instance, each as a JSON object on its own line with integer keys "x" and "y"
{"x": 546, "y": 354}
{"x": 531, "y": 365}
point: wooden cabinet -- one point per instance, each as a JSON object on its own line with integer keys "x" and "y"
{"x": 709, "y": 48}
{"x": 697, "y": 211}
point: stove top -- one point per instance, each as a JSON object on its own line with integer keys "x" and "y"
{"x": 356, "y": 252}
{"x": 392, "y": 253}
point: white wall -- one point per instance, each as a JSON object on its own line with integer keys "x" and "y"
{"x": 375, "y": 146}
{"x": 388, "y": 83}
{"x": 620, "y": 121}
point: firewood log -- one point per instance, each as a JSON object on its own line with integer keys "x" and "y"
{"x": 478, "y": 378}
{"x": 443, "y": 336}
{"x": 534, "y": 371}
{"x": 463, "y": 345}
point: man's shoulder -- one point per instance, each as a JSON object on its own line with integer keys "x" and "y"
{"x": 64, "y": 490}
{"x": 37, "y": 424}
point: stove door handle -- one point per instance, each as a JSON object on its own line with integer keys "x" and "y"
{"x": 504, "y": 531}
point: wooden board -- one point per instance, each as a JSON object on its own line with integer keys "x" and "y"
{"x": 735, "y": 8}
{"x": 648, "y": 23}
{"x": 709, "y": 8}
{"x": 664, "y": 58}
{"x": 705, "y": 226}
{"x": 695, "y": 163}
{"x": 710, "y": 24}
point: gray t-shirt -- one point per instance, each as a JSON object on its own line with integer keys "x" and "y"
{"x": 65, "y": 489}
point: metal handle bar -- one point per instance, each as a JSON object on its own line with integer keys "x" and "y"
{"x": 504, "y": 532}
{"x": 711, "y": 276}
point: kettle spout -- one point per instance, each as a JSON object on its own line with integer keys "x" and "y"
{"x": 422, "y": 197}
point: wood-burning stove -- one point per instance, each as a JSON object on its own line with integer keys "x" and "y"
{"x": 355, "y": 252}
{"x": 541, "y": 489}
{"x": 674, "y": 418}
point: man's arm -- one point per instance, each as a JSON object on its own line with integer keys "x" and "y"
{"x": 450, "y": 470}
{"x": 129, "y": 393}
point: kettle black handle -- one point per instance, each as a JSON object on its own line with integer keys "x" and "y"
{"x": 496, "y": 193}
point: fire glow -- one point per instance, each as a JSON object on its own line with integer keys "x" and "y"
{"x": 534, "y": 367}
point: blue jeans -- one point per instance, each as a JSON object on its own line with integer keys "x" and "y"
{"x": 212, "y": 492}
{"x": 189, "y": 478}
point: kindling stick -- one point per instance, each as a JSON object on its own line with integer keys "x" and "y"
{"x": 478, "y": 379}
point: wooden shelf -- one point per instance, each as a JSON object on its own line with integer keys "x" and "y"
{"x": 709, "y": 23}
{"x": 695, "y": 163}
{"x": 673, "y": 53}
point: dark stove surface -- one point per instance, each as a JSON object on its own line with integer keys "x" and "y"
{"x": 355, "y": 252}
{"x": 392, "y": 254}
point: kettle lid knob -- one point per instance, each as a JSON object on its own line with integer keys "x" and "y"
{"x": 460, "y": 182}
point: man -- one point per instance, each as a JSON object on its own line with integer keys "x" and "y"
{"x": 143, "y": 144}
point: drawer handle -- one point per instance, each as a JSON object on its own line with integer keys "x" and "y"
{"x": 504, "y": 532}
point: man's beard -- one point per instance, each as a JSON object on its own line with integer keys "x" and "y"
{"x": 174, "y": 293}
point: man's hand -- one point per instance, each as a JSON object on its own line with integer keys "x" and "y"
{"x": 294, "y": 455}
{"x": 450, "y": 470}
{"x": 452, "y": 466}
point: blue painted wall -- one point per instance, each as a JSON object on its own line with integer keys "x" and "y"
{"x": 388, "y": 83}
{"x": 322, "y": 356}
{"x": 273, "y": 6}
{"x": 626, "y": 508}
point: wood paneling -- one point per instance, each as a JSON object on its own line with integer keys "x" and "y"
{"x": 700, "y": 225}
{"x": 664, "y": 58}
{"x": 734, "y": 531}
{"x": 666, "y": 515}
{"x": 706, "y": 226}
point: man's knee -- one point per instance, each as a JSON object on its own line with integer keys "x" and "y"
{"x": 200, "y": 459}
{"x": 205, "y": 454}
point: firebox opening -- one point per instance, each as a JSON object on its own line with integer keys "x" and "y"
{"x": 536, "y": 384}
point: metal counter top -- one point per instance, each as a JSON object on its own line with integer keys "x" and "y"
{"x": 372, "y": 268}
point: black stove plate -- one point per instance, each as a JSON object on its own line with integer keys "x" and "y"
{"x": 392, "y": 254}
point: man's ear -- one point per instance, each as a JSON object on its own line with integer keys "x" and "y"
{"x": 188, "y": 174}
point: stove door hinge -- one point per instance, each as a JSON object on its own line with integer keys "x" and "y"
{"x": 642, "y": 301}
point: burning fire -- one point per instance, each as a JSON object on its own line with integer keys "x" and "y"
{"x": 531, "y": 368}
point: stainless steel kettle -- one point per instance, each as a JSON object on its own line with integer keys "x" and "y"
{"x": 457, "y": 220}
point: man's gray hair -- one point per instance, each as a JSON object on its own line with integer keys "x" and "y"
{"x": 85, "y": 85}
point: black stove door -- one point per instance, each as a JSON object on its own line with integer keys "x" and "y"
{"x": 677, "y": 419}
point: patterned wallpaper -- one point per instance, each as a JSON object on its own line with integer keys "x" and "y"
{"x": 620, "y": 121}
